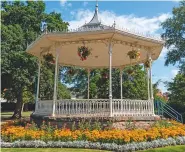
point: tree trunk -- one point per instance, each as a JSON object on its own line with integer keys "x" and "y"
{"x": 18, "y": 107}
{"x": 22, "y": 107}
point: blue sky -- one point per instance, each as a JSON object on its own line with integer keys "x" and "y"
{"x": 144, "y": 16}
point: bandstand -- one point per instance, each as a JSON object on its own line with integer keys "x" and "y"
{"x": 109, "y": 49}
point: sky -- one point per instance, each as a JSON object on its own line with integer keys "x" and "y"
{"x": 140, "y": 16}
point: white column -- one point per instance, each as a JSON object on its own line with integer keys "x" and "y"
{"x": 110, "y": 78}
{"x": 151, "y": 86}
{"x": 148, "y": 82}
{"x": 121, "y": 82}
{"x": 121, "y": 85}
{"x": 58, "y": 68}
{"x": 55, "y": 82}
{"x": 88, "y": 73}
{"x": 38, "y": 84}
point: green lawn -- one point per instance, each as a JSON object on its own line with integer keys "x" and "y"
{"x": 48, "y": 150}
{"x": 180, "y": 148}
{"x": 9, "y": 114}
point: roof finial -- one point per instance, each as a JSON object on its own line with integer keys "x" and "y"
{"x": 114, "y": 25}
{"x": 96, "y": 5}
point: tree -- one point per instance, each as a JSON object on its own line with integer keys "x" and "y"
{"x": 177, "y": 94}
{"x": 177, "y": 88}
{"x": 134, "y": 86}
{"x": 20, "y": 26}
{"x": 174, "y": 35}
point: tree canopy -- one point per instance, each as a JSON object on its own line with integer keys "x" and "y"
{"x": 20, "y": 26}
{"x": 134, "y": 86}
{"x": 174, "y": 35}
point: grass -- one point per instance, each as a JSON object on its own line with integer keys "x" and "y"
{"x": 9, "y": 114}
{"x": 48, "y": 150}
{"x": 180, "y": 148}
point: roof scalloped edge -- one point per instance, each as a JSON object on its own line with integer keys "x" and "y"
{"x": 125, "y": 30}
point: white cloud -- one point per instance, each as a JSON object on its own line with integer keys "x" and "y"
{"x": 63, "y": 2}
{"x": 69, "y": 4}
{"x": 174, "y": 72}
{"x": 72, "y": 13}
{"x": 131, "y": 22}
{"x": 177, "y": 1}
{"x": 85, "y": 3}
{"x": 162, "y": 87}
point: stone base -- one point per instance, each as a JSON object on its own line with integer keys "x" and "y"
{"x": 117, "y": 122}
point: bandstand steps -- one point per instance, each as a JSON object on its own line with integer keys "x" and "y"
{"x": 165, "y": 111}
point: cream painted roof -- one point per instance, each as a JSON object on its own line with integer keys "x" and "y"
{"x": 67, "y": 44}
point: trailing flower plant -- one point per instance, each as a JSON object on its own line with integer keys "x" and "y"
{"x": 83, "y": 52}
{"x": 134, "y": 54}
{"x": 49, "y": 58}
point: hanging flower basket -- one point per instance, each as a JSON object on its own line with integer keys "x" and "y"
{"x": 49, "y": 58}
{"x": 83, "y": 52}
{"x": 134, "y": 54}
{"x": 147, "y": 64}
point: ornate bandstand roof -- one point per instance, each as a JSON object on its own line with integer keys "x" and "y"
{"x": 96, "y": 36}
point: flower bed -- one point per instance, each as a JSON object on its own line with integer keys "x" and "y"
{"x": 96, "y": 145}
{"x": 11, "y": 132}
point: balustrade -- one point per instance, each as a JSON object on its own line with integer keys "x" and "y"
{"x": 96, "y": 107}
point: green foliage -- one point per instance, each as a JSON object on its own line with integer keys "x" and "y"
{"x": 28, "y": 96}
{"x": 20, "y": 26}
{"x": 161, "y": 124}
{"x": 73, "y": 126}
{"x": 81, "y": 124}
{"x": 174, "y": 35}
{"x": 96, "y": 125}
{"x": 177, "y": 88}
{"x": 178, "y": 106}
{"x": 134, "y": 86}
{"x": 88, "y": 125}
{"x": 130, "y": 124}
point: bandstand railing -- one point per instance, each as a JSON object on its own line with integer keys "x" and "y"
{"x": 95, "y": 107}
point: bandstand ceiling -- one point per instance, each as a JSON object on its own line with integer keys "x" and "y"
{"x": 67, "y": 44}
